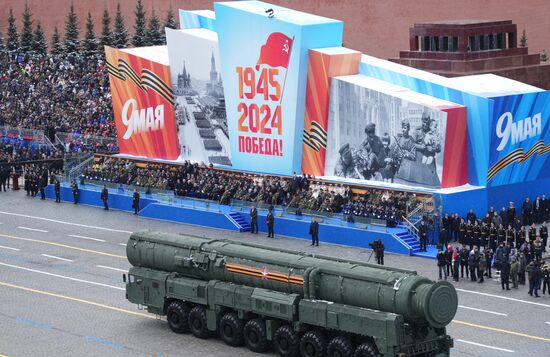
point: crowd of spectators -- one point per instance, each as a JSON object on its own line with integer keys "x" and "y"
{"x": 54, "y": 93}
{"x": 17, "y": 149}
{"x": 299, "y": 193}
{"x": 511, "y": 242}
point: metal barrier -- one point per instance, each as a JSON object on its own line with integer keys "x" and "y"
{"x": 411, "y": 228}
{"x": 31, "y": 134}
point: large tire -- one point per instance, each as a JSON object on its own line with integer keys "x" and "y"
{"x": 197, "y": 322}
{"x": 340, "y": 347}
{"x": 286, "y": 342}
{"x": 366, "y": 349}
{"x": 255, "y": 335}
{"x": 177, "y": 315}
{"x": 231, "y": 329}
{"x": 313, "y": 344}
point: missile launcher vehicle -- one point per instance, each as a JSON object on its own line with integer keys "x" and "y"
{"x": 296, "y": 303}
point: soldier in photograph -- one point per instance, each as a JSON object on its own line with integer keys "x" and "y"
{"x": 345, "y": 167}
{"x": 403, "y": 154}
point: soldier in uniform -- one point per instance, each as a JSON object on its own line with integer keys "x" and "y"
{"x": 520, "y": 238}
{"x": 501, "y": 235}
{"x": 253, "y": 220}
{"x": 532, "y": 233}
{"x": 270, "y": 222}
{"x": 387, "y": 169}
{"x": 427, "y": 149}
{"x": 462, "y": 232}
{"x": 135, "y": 201}
{"x": 510, "y": 235}
{"x": 371, "y": 155}
{"x": 403, "y": 155}
{"x": 484, "y": 235}
{"x": 493, "y": 236}
{"x": 423, "y": 233}
{"x": 470, "y": 234}
{"x": 345, "y": 167}
{"x": 105, "y": 197}
{"x": 57, "y": 189}
{"x": 477, "y": 234}
{"x": 74, "y": 188}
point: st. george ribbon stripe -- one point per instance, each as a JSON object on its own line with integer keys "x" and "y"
{"x": 518, "y": 155}
{"x": 147, "y": 80}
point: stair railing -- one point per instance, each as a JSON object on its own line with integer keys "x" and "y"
{"x": 411, "y": 228}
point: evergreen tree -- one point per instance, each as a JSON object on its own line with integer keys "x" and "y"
{"x": 140, "y": 29}
{"x": 39, "y": 44}
{"x": 169, "y": 22}
{"x": 26, "y": 33}
{"x": 56, "y": 47}
{"x": 12, "y": 42}
{"x": 154, "y": 33}
{"x": 71, "y": 32}
{"x": 523, "y": 39}
{"x": 106, "y": 36}
{"x": 120, "y": 34}
{"x": 90, "y": 42}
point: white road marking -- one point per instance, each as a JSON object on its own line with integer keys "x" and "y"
{"x": 110, "y": 268}
{"x": 486, "y": 346}
{"x": 88, "y": 238}
{"x": 62, "y": 276}
{"x": 481, "y": 310}
{"x": 502, "y": 297}
{"x": 33, "y": 229}
{"x": 54, "y": 257}
{"x": 10, "y": 248}
{"x": 63, "y": 222}
{"x": 122, "y": 244}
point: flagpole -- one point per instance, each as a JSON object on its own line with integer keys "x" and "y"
{"x": 286, "y": 73}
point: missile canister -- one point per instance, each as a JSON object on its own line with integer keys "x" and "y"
{"x": 315, "y": 277}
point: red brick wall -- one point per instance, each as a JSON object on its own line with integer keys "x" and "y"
{"x": 376, "y": 27}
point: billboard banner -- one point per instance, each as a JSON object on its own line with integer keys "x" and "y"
{"x": 323, "y": 64}
{"x": 379, "y": 137}
{"x": 264, "y": 75}
{"x": 479, "y": 109}
{"x": 520, "y": 139}
{"x": 198, "y": 92}
{"x": 143, "y": 105}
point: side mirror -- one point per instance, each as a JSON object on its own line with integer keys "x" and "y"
{"x": 124, "y": 277}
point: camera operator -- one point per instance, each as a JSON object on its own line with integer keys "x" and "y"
{"x": 378, "y": 248}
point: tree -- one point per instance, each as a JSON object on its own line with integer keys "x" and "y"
{"x": 154, "y": 33}
{"x": 140, "y": 29}
{"x": 120, "y": 34}
{"x": 523, "y": 39}
{"x": 106, "y": 36}
{"x": 71, "y": 32}
{"x": 12, "y": 43}
{"x": 56, "y": 47}
{"x": 90, "y": 42}
{"x": 169, "y": 22}
{"x": 26, "y": 33}
{"x": 39, "y": 44}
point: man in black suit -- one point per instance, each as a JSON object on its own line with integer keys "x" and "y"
{"x": 105, "y": 198}
{"x": 57, "y": 189}
{"x": 270, "y": 221}
{"x": 253, "y": 220}
{"x": 135, "y": 202}
{"x": 423, "y": 234}
{"x": 314, "y": 231}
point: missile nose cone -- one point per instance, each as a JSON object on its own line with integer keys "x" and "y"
{"x": 441, "y": 305}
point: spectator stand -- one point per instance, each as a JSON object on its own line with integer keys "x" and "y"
{"x": 336, "y": 227}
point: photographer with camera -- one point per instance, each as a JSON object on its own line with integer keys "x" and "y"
{"x": 378, "y": 249}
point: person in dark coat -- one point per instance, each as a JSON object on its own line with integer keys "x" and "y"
{"x": 74, "y": 188}
{"x": 464, "y": 257}
{"x": 441, "y": 263}
{"x": 57, "y": 189}
{"x": 449, "y": 260}
{"x": 472, "y": 264}
{"x": 527, "y": 212}
{"x": 505, "y": 275}
{"x": 41, "y": 186}
{"x": 314, "y": 231}
{"x": 379, "y": 252}
{"x": 135, "y": 202}
{"x": 423, "y": 235}
{"x": 28, "y": 183}
{"x": 456, "y": 263}
{"x": 253, "y": 219}
{"x": 105, "y": 198}
{"x": 270, "y": 222}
